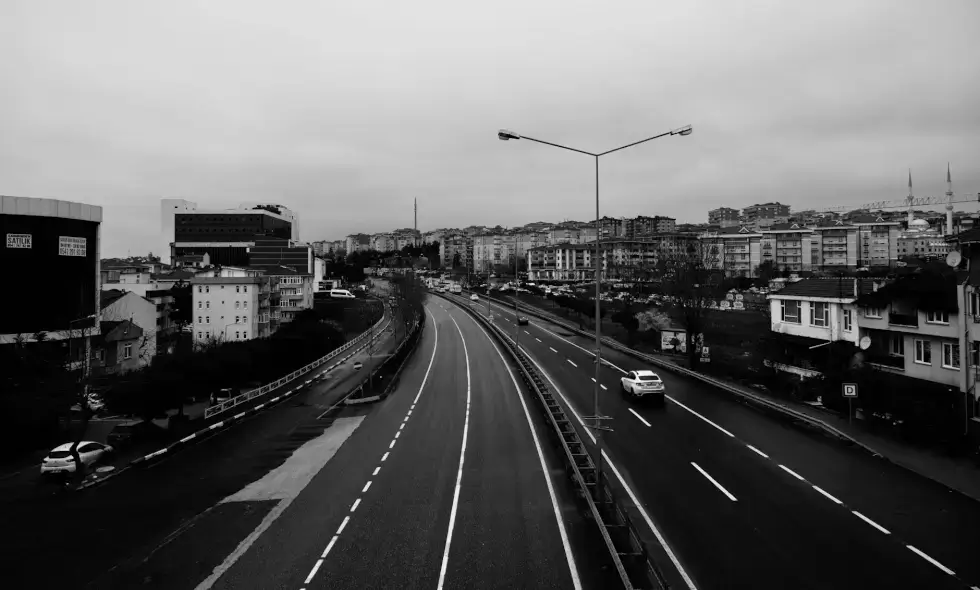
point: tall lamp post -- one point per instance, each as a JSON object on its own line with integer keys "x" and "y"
{"x": 505, "y": 135}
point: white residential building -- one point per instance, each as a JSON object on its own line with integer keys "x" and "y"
{"x": 231, "y": 307}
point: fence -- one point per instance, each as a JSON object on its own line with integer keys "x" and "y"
{"x": 228, "y": 404}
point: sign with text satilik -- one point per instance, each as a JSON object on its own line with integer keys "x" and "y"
{"x": 71, "y": 246}
{"x": 20, "y": 241}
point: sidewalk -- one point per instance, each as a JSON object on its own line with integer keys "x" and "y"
{"x": 960, "y": 474}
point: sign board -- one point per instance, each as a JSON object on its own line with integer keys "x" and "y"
{"x": 850, "y": 389}
{"x": 730, "y": 297}
{"x": 739, "y": 297}
{"x": 738, "y": 305}
{"x": 19, "y": 241}
{"x": 71, "y": 246}
{"x": 725, "y": 304}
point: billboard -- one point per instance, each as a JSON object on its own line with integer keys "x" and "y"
{"x": 50, "y": 267}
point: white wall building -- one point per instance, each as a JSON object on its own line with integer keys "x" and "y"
{"x": 230, "y": 307}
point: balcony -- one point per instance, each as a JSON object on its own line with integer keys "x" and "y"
{"x": 887, "y": 360}
{"x": 901, "y": 319}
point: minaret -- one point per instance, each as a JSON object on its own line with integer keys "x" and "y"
{"x": 949, "y": 202}
{"x": 910, "y": 200}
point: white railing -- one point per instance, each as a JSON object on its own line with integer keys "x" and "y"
{"x": 249, "y": 395}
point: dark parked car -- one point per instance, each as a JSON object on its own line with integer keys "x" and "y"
{"x": 137, "y": 431}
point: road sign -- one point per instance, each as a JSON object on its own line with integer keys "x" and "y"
{"x": 850, "y": 389}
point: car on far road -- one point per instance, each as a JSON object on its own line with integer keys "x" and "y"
{"x": 474, "y": 297}
{"x": 522, "y": 321}
{"x": 59, "y": 460}
{"x": 644, "y": 384}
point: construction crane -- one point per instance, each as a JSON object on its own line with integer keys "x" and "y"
{"x": 906, "y": 202}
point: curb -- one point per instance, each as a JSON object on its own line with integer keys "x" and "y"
{"x": 203, "y": 432}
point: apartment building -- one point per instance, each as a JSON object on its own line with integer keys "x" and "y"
{"x": 564, "y": 234}
{"x": 490, "y": 250}
{"x": 758, "y": 217}
{"x": 561, "y": 262}
{"x": 736, "y": 251}
{"x": 612, "y": 227}
{"x": 357, "y": 243}
{"x": 291, "y": 293}
{"x": 231, "y": 304}
{"x": 456, "y": 251}
{"x": 724, "y": 217}
{"x": 621, "y": 258}
{"x": 787, "y": 246}
{"x": 643, "y": 226}
{"x": 384, "y": 242}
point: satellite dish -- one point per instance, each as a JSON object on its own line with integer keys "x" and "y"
{"x": 954, "y": 258}
{"x": 865, "y": 343}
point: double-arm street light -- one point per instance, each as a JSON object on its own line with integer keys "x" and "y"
{"x": 505, "y": 135}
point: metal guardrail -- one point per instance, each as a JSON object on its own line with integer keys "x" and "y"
{"x": 229, "y": 404}
{"x": 755, "y": 399}
{"x": 628, "y": 554}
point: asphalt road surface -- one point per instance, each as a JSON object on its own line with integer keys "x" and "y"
{"x": 444, "y": 484}
{"x": 118, "y": 535}
{"x": 746, "y": 500}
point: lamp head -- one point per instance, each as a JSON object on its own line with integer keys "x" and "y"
{"x": 504, "y": 135}
{"x": 685, "y": 130}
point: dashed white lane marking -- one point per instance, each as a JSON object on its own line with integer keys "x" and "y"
{"x": 712, "y": 480}
{"x": 931, "y": 560}
{"x": 552, "y": 349}
{"x": 366, "y": 487}
{"x": 700, "y": 416}
{"x": 871, "y": 522}
{"x": 459, "y": 473}
{"x": 397, "y": 434}
{"x": 330, "y": 545}
{"x": 641, "y": 419}
{"x": 354, "y": 506}
{"x": 376, "y": 470}
{"x": 316, "y": 567}
{"x": 538, "y": 339}
{"x": 392, "y": 445}
{"x": 827, "y": 495}
{"x": 569, "y": 557}
{"x": 571, "y": 362}
{"x": 791, "y": 472}
{"x": 526, "y": 332}
{"x": 342, "y": 526}
{"x": 758, "y": 451}
{"x": 593, "y": 379}
{"x": 619, "y": 476}
{"x": 384, "y": 457}
{"x": 603, "y": 386}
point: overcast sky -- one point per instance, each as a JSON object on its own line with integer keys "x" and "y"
{"x": 346, "y": 111}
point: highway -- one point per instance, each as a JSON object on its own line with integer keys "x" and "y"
{"x": 744, "y": 500}
{"x": 444, "y": 484}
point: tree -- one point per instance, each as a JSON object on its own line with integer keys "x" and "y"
{"x": 691, "y": 278}
{"x": 457, "y": 260}
{"x": 628, "y": 321}
{"x": 181, "y": 312}
{"x": 766, "y": 271}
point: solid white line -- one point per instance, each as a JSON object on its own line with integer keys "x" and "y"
{"x": 828, "y": 496}
{"x": 871, "y": 522}
{"x": 571, "y": 363}
{"x": 758, "y": 451}
{"x": 552, "y": 349}
{"x": 632, "y": 411}
{"x": 309, "y": 578}
{"x": 343, "y": 525}
{"x": 931, "y": 560}
{"x": 700, "y": 416}
{"x": 384, "y": 457}
{"x": 376, "y": 470}
{"x": 357, "y": 503}
{"x": 569, "y": 557}
{"x": 791, "y": 472}
{"x": 629, "y": 491}
{"x": 459, "y": 473}
{"x": 329, "y": 547}
{"x": 432, "y": 359}
{"x": 712, "y": 480}
{"x": 366, "y": 486}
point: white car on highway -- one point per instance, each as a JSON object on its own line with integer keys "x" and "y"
{"x": 641, "y": 384}
{"x": 474, "y": 297}
{"x": 59, "y": 460}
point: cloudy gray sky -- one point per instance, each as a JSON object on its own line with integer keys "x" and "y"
{"x": 345, "y": 112}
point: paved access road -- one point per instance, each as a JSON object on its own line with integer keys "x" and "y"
{"x": 745, "y": 500}
{"x": 443, "y": 485}
{"x": 110, "y": 536}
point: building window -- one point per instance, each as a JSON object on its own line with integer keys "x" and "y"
{"x": 923, "y": 352}
{"x": 975, "y": 354}
{"x": 951, "y": 355}
{"x": 245, "y": 335}
{"x": 238, "y": 289}
{"x": 937, "y": 317}
{"x": 975, "y": 304}
{"x": 237, "y": 304}
{"x": 873, "y": 312}
{"x": 207, "y": 305}
{"x": 237, "y": 335}
{"x": 244, "y": 304}
{"x": 897, "y": 347}
{"x": 790, "y": 311}
{"x": 127, "y": 351}
{"x": 200, "y": 335}
{"x": 207, "y": 289}
{"x": 236, "y": 319}
{"x": 244, "y": 319}
{"x": 200, "y": 320}
{"x": 207, "y": 319}
{"x": 245, "y": 289}
{"x": 200, "y": 305}
{"x": 820, "y": 314}
{"x": 847, "y": 320}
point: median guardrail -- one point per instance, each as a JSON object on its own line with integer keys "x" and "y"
{"x": 628, "y": 553}
{"x": 742, "y": 394}
{"x": 242, "y": 398}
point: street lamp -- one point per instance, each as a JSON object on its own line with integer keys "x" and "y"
{"x": 506, "y": 135}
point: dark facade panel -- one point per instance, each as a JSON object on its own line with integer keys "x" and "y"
{"x": 53, "y": 281}
{"x": 219, "y": 255}
{"x": 228, "y": 227}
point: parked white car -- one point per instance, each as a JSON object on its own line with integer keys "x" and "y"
{"x": 59, "y": 460}
{"x": 640, "y": 384}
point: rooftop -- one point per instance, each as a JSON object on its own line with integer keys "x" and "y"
{"x": 826, "y": 288}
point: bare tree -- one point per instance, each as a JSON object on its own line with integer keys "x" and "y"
{"x": 690, "y": 277}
